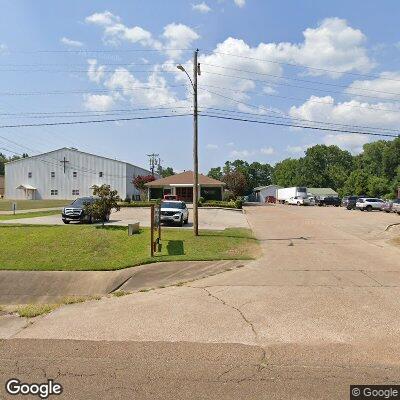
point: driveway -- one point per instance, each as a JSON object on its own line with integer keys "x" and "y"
{"x": 320, "y": 310}
{"x": 209, "y": 218}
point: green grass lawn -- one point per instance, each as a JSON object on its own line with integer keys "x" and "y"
{"x": 5, "y": 205}
{"x": 28, "y": 215}
{"x": 80, "y": 247}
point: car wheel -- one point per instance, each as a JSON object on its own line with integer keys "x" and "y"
{"x": 65, "y": 221}
{"x": 180, "y": 223}
{"x": 298, "y": 203}
{"x": 368, "y": 208}
{"x": 187, "y": 220}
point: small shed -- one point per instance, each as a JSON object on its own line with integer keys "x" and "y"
{"x": 265, "y": 194}
{"x": 321, "y": 193}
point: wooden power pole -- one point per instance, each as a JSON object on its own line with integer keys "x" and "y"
{"x": 195, "y": 148}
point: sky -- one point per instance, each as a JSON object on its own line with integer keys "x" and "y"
{"x": 315, "y": 63}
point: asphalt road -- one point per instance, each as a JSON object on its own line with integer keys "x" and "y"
{"x": 320, "y": 310}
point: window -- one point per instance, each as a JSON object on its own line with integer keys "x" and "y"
{"x": 29, "y": 174}
{"x": 53, "y": 174}
{"x": 74, "y": 174}
{"x": 100, "y": 174}
{"x": 75, "y": 192}
{"x": 54, "y": 192}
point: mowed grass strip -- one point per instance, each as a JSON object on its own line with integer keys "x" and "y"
{"x": 32, "y": 214}
{"x": 5, "y": 205}
{"x": 82, "y": 247}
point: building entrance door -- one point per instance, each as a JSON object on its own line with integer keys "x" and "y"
{"x": 185, "y": 194}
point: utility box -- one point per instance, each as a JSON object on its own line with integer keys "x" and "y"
{"x": 133, "y": 228}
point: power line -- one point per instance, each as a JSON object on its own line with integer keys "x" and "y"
{"x": 286, "y": 116}
{"x": 295, "y": 86}
{"x": 304, "y": 66}
{"x": 300, "y": 80}
{"x": 298, "y": 126}
{"x": 92, "y": 121}
{"x": 96, "y": 51}
{"x": 298, "y": 98}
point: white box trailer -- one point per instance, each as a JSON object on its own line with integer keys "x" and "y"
{"x": 285, "y": 194}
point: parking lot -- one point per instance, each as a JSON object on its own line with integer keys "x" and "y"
{"x": 209, "y": 218}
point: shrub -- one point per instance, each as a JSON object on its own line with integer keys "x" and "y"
{"x": 127, "y": 199}
{"x": 201, "y": 201}
{"x": 239, "y": 202}
{"x": 138, "y": 204}
{"x": 217, "y": 203}
{"x": 227, "y": 195}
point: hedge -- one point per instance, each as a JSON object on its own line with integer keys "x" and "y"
{"x": 137, "y": 204}
{"x": 224, "y": 204}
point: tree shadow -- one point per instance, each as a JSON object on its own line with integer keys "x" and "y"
{"x": 175, "y": 248}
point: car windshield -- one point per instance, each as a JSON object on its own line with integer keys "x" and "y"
{"x": 360, "y": 200}
{"x": 82, "y": 202}
{"x": 171, "y": 204}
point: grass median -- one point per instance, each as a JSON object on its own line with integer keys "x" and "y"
{"x": 82, "y": 247}
{"x": 6, "y": 205}
{"x": 8, "y": 217}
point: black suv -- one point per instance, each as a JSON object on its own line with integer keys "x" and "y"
{"x": 328, "y": 201}
{"x": 76, "y": 211}
{"x": 349, "y": 202}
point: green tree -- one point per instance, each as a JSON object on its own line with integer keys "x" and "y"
{"x": 378, "y": 186}
{"x": 107, "y": 199}
{"x": 357, "y": 183}
{"x": 215, "y": 173}
{"x": 164, "y": 172}
{"x": 286, "y": 173}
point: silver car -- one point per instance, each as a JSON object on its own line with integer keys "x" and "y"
{"x": 369, "y": 203}
{"x": 396, "y": 206}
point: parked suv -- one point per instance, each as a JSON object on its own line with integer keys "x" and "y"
{"x": 349, "y": 202}
{"x": 300, "y": 201}
{"x": 329, "y": 201}
{"x": 76, "y": 211}
{"x": 396, "y": 206}
{"x": 369, "y": 204}
{"x": 174, "y": 211}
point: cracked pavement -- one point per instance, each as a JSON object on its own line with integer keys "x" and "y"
{"x": 320, "y": 310}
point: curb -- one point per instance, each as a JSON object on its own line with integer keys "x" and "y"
{"x": 391, "y": 225}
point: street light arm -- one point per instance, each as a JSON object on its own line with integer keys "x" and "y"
{"x": 182, "y": 68}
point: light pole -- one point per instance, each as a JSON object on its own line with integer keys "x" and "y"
{"x": 196, "y": 71}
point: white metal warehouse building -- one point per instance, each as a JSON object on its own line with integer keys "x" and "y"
{"x": 68, "y": 173}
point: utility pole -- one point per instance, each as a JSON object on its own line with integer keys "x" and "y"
{"x": 196, "y": 72}
{"x": 153, "y": 160}
{"x": 195, "y": 147}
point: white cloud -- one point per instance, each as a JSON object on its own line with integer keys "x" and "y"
{"x": 212, "y": 146}
{"x": 332, "y": 45}
{"x": 95, "y": 73}
{"x": 240, "y": 3}
{"x": 103, "y": 19}
{"x": 298, "y": 149}
{"x": 241, "y": 153}
{"x": 354, "y": 113}
{"x": 178, "y": 36}
{"x": 350, "y": 141}
{"x": 70, "y": 42}
{"x": 230, "y": 144}
{"x": 269, "y": 90}
{"x": 3, "y": 48}
{"x": 267, "y": 150}
{"x": 115, "y": 32}
{"x": 387, "y": 82}
{"x": 151, "y": 92}
{"x": 98, "y": 102}
{"x": 201, "y": 7}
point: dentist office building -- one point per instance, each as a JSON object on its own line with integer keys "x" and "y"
{"x": 68, "y": 173}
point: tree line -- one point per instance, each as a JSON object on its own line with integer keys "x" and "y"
{"x": 4, "y": 159}
{"x": 374, "y": 172}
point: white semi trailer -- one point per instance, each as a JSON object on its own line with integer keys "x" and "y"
{"x": 285, "y": 194}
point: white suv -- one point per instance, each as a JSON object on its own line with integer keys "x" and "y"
{"x": 369, "y": 203}
{"x": 300, "y": 201}
{"x": 174, "y": 211}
